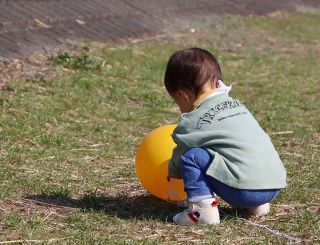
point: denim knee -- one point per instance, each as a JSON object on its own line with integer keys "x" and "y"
{"x": 195, "y": 163}
{"x": 198, "y": 157}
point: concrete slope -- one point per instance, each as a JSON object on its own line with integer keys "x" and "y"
{"x": 32, "y": 25}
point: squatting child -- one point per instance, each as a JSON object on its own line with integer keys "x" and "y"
{"x": 221, "y": 149}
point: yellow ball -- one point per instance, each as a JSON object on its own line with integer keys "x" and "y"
{"x": 152, "y": 160}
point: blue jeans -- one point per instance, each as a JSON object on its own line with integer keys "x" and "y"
{"x": 198, "y": 185}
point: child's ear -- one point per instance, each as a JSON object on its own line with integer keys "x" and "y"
{"x": 183, "y": 94}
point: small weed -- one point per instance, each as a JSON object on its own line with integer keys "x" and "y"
{"x": 75, "y": 62}
{"x": 60, "y": 192}
{"x": 11, "y": 220}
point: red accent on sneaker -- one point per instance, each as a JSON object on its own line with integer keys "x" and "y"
{"x": 215, "y": 203}
{"x": 193, "y": 217}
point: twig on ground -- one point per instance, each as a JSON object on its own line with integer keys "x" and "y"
{"x": 33, "y": 241}
{"x": 292, "y": 154}
{"x": 296, "y": 205}
{"x": 282, "y": 132}
{"x": 98, "y": 144}
{"x": 47, "y": 217}
{"x": 46, "y": 158}
{"x": 82, "y": 149}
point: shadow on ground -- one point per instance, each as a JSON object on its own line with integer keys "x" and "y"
{"x": 122, "y": 206}
{"x": 138, "y": 207}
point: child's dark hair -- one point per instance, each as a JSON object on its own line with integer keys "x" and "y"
{"x": 191, "y": 69}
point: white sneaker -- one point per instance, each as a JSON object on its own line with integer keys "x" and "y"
{"x": 259, "y": 210}
{"x": 203, "y": 212}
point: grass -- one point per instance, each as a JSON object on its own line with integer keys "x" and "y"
{"x": 68, "y": 144}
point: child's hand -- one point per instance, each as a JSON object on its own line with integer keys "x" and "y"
{"x": 171, "y": 176}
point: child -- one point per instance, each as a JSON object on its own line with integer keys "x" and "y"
{"x": 221, "y": 149}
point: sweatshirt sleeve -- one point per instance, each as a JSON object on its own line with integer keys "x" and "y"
{"x": 175, "y": 161}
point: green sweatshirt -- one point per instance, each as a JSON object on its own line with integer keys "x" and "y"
{"x": 243, "y": 154}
